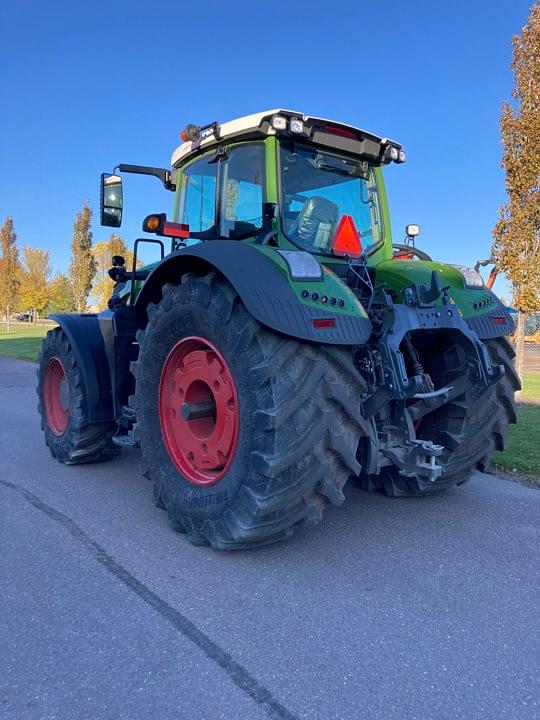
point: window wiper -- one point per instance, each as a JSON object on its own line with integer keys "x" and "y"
{"x": 341, "y": 169}
{"x": 351, "y": 172}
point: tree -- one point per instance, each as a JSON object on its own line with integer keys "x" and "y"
{"x": 10, "y": 269}
{"x": 34, "y": 288}
{"x": 60, "y": 296}
{"x": 103, "y": 252}
{"x": 516, "y": 250}
{"x": 83, "y": 266}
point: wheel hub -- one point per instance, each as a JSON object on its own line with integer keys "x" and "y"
{"x": 198, "y": 408}
{"x": 56, "y": 396}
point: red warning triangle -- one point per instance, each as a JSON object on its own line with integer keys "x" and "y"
{"x": 346, "y": 239}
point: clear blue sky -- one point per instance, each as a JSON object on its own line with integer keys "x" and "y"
{"x": 86, "y": 86}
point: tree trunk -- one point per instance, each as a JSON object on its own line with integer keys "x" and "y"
{"x": 8, "y": 313}
{"x": 520, "y": 348}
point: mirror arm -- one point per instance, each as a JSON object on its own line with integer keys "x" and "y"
{"x": 161, "y": 173}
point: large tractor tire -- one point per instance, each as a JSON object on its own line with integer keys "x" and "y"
{"x": 246, "y": 434}
{"x": 470, "y": 428}
{"x": 62, "y": 406}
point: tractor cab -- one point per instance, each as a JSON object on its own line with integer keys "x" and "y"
{"x": 277, "y": 178}
{"x": 287, "y": 180}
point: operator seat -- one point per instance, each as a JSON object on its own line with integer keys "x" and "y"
{"x": 315, "y": 222}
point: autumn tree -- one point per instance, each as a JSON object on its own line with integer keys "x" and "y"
{"x": 83, "y": 265}
{"x": 103, "y": 252}
{"x": 10, "y": 269}
{"x": 34, "y": 287}
{"x": 516, "y": 250}
{"x": 60, "y": 295}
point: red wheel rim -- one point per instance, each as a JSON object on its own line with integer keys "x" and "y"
{"x": 198, "y": 411}
{"x": 56, "y": 396}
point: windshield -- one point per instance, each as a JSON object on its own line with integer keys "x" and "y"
{"x": 318, "y": 188}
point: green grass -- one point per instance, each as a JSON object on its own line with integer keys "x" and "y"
{"x": 23, "y": 342}
{"x": 523, "y": 451}
{"x": 531, "y": 386}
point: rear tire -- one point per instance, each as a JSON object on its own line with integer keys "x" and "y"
{"x": 470, "y": 428}
{"x": 62, "y": 406}
{"x": 299, "y": 420}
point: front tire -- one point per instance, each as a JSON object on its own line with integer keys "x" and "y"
{"x": 62, "y": 406}
{"x": 293, "y": 409}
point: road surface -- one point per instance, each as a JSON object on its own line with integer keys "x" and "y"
{"x": 390, "y": 609}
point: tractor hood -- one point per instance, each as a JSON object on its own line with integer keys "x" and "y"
{"x": 396, "y": 275}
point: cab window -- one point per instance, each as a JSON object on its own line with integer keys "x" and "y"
{"x": 198, "y": 197}
{"x": 241, "y": 183}
{"x": 318, "y": 189}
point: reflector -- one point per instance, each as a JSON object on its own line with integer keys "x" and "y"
{"x": 172, "y": 229}
{"x": 346, "y": 239}
{"x": 340, "y": 131}
{"x": 323, "y": 322}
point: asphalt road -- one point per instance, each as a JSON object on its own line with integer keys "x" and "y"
{"x": 390, "y": 609}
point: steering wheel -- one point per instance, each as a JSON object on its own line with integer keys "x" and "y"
{"x": 420, "y": 254}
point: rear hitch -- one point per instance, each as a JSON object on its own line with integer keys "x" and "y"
{"x": 416, "y": 459}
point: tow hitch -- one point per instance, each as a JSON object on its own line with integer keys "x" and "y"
{"x": 416, "y": 459}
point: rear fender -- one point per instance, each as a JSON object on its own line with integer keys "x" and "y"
{"x": 261, "y": 278}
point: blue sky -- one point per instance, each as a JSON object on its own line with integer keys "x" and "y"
{"x": 87, "y": 86}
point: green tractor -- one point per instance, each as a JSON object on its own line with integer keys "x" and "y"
{"x": 282, "y": 344}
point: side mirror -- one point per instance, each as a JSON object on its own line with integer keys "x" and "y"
{"x": 412, "y": 231}
{"x": 111, "y": 200}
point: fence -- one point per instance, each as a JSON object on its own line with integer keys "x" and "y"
{"x": 531, "y": 357}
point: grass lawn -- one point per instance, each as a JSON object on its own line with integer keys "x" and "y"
{"x": 24, "y": 340}
{"x": 531, "y": 387}
{"x": 522, "y": 454}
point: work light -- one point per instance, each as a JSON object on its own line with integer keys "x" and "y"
{"x": 472, "y": 277}
{"x": 279, "y": 122}
{"x": 301, "y": 264}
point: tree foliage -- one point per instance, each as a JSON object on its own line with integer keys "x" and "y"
{"x": 34, "y": 288}
{"x": 83, "y": 264}
{"x": 103, "y": 252}
{"x": 60, "y": 295}
{"x": 516, "y": 250}
{"x": 10, "y": 269}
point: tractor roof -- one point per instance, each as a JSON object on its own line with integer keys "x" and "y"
{"x": 320, "y": 131}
